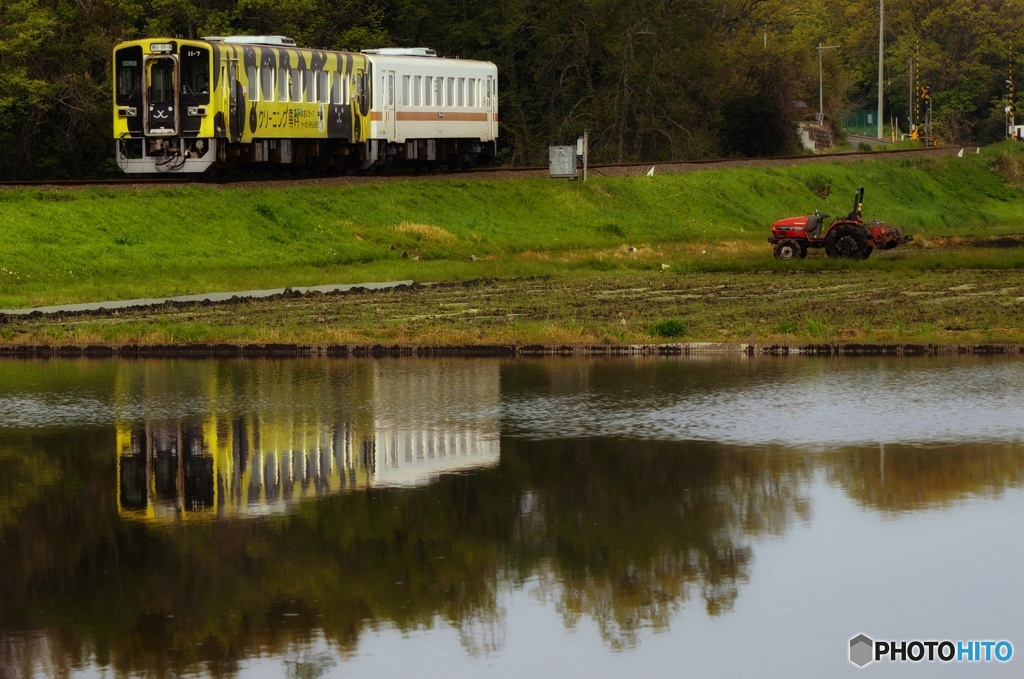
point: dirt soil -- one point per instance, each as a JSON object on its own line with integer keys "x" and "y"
{"x": 769, "y": 307}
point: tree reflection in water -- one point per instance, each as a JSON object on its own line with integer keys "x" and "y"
{"x": 618, "y": 533}
{"x": 626, "y": 531}
{"x": 622, "y": 532}
{"x": 908, "y": 478}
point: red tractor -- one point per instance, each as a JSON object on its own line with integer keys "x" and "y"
{"x": 847, "y": 237}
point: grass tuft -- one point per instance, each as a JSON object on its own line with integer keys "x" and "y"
{"x": 426, "y": 232}
{"x": 670, "y": 329}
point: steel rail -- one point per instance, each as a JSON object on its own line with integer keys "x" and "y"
{"x": 207, "y": 180}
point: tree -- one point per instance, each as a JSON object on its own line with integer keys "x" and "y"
{"x": 26, "y": 29}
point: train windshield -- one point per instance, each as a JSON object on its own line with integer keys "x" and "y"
{"x": 128, "y": 71}
{"x": 195, "y": 70}
{"x": 161, "y": 81}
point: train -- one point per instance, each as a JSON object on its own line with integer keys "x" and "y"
{"x": 191, "y": 106}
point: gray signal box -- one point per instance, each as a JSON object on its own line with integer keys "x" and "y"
{"x": 562, "y": 162}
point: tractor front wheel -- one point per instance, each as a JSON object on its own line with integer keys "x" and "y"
{"x": 787, "y": 249}
{"x": 847, "y": 241}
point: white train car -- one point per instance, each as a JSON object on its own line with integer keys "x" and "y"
{"x": 427, "y": 109}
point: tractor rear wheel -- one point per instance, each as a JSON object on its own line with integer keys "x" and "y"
{"x": 787, "y": 249}
{"x": 847, "y": 241}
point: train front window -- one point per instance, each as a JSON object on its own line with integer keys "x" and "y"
{"x": 128, "y": 71}
{"x": 195, "y": 70}
{"x": 161, "y": 81}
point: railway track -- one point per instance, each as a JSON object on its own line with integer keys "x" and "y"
{"x": 598, "y": 169}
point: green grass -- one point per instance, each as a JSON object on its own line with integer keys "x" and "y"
{"x": 96, "y": 244}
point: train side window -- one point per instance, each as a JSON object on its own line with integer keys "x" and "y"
{"x": 406, "y": 90}
{"x": 195, "y": 70}
{"x": 282, "y": 84}
{"x": 450, "y": 98}
{"x": 471, "y": 100}
{"x": 128, "y": 66}
{"x": 439, "y": 91}
{"x": 428, "y": 92}
{"x": 309, "y": 80}
{"x": 295, "y": 78}
{"x": 267, "y": 78}
{"x": 254, "y": 90}
{"x": 461, "y": 92}
{"x": 324, "y": 92}
{"x": 417, "y": 90}
{"x": 336, "y": 88}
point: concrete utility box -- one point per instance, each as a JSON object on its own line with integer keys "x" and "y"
{"x": 562, "y": 162}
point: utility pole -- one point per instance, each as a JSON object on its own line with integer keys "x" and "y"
{"x": 929, "y": 126}
{"x": 916, "y": 131}
{"x": 821, "y": 90}
{"x": 1011, "y": 104}
{"x": 881, "y": 51}
{"x": 910, "y": 99}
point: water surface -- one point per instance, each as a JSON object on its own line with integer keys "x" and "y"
{"x": 505, "y": 518}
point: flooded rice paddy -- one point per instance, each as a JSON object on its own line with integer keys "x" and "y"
{"x": 726, "y": 517}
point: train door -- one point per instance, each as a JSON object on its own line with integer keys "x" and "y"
{"x": 236, "y": 101}
{"x": 492, "y": 107}
{"x": 388, "y": 82}
{"x": 161, "y": 96}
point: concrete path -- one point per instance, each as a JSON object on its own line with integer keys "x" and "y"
{"x": 208, "y": 297}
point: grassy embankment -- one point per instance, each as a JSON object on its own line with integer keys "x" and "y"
{"x": 95, "y": 244}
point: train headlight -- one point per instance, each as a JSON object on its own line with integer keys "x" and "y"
{"x": 197, "y": 110}
{"x": 160, "y": 47}
{"x": 127, "y": 111}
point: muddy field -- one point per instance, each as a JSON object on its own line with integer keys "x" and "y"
{"x": 761, "y": 308}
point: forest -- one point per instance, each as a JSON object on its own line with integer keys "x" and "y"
{"x": 649, "y": 80}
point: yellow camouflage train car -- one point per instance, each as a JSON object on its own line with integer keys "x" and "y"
{"x": 185, "y": 106}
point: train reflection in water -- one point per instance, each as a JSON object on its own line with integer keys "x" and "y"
{"x": 221, "y": 467}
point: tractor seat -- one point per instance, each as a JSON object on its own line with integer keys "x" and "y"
{"x": 814, "y": 225}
